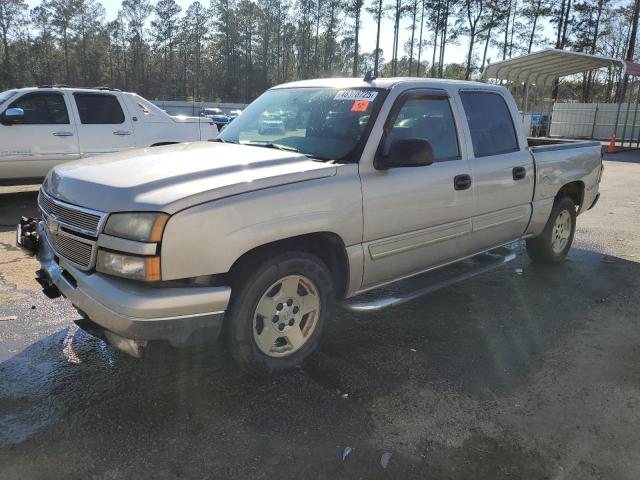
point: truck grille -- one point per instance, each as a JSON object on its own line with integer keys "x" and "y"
{"x": 64, "y": 222}
{"x": 73, "y": 249}
{"x": 76, "y": 218}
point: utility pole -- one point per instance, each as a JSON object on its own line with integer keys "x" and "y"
{"x": 634, "y": 31}
{"x": 631, "y": 47}
{"x": 622, "y": 86}
{"x": 375, "y": 67}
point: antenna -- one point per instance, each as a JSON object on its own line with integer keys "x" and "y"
{"x": 368, "y": 77}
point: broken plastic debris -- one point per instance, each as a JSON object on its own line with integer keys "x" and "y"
{"x": 413, "y": 350}
{"x": 345, "y": 395}
{"x": 384, "y": 460}
{"x": 346, "y": 452}
{"x": 519, "y": 271}
{"x": 6, "y": 319}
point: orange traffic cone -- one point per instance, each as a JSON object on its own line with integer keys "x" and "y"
{"x": 612, "y": 145}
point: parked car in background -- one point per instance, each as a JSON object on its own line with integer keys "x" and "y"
{"x": 539, "y": 124}
{"x": 217, "y": 116}
{"x": 261, "y": 237}
{"x": 234, "y": 113}
{"x": 41, "y": 127}
{"x": 209, "y": 112}
{"x": 271, "y": 122}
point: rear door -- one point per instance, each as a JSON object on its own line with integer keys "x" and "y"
{"x": 43, "y": 139}
{"x": 103, "y": 125}
{"x": 417, "y": 217}
{"x": 502, "y": 170}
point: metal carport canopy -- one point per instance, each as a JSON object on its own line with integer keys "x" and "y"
{"x": 547, "y": 65}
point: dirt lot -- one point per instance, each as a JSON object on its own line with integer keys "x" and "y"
{"x": 529, "y": 376}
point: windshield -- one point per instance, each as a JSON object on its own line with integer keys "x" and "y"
{"x": 6, "y": 95}
{"x": 324, "y": 123}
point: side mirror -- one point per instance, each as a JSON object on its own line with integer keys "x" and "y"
{"x": 407, "y": 152}
{"x": 12, "y": 115}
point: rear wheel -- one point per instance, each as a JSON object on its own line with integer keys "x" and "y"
{"x": 276, "y": 318}
{"x": 553, "y": 244}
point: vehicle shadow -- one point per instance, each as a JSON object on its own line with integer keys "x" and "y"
{"x": 478, "y": 340}
{"x": 13, "y": 205}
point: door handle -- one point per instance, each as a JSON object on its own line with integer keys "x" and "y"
{"x": 462, "y": 182}
{"x": 519, "y": 173}
{"x": 63, "y": 134}
{"x": 121, "y": 133}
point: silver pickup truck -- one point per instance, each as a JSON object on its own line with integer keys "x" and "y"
{"x": 261, "y": 233}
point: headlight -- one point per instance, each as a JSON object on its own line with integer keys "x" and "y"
{"x": 128, "y": 266}
{"x": 143, "y": 227}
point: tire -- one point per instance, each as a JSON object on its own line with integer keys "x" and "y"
{"x": 278, "y": 311}
{"x": 553, "y": 244}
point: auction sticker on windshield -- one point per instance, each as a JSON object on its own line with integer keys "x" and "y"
{"x": 369, "y": 95}
{"x": 360, "y": 106}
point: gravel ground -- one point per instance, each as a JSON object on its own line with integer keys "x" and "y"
{"x": 527, "y": 375}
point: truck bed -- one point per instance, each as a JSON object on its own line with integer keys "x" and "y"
{"x": 560, "y": 162}
{"x": 547, "y": 143}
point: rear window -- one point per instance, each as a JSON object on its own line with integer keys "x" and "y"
{"x": 490, "y": 123}
{"x": 98, "y": 109}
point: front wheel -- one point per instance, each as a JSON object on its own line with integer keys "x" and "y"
{"x": 276, "y": 319}
{"x": 553, "y": 244}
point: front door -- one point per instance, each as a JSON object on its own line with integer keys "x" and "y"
{"x": 103, "y": 125}
{"x": 46, "y": 137}
{"x": 417, "y": 217}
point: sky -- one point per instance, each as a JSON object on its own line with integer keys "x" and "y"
{"x": 454, "y": 53}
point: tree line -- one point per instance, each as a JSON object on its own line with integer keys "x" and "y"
{"x": 232, "y": 50}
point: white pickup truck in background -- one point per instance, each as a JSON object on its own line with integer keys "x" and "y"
{"x": 41, "y": 127}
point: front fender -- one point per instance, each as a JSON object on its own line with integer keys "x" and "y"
{"x": 208, "y": 238}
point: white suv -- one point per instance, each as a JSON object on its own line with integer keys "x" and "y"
{"x": 43, "y": 126}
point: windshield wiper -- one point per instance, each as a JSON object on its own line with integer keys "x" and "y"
{"x": 256, "y": 143}
{"x": 284, "y": 148}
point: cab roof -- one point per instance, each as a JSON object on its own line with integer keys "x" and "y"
{"x": 386, "y": 83}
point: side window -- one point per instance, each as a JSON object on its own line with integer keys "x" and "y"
{"x": 429, "y": 118}
{"x": 490, "y": 123}
{"x": 42, "y": 109}
{"x": 98, "y": 109}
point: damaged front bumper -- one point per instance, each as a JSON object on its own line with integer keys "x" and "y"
{"x": 27, "y": 236}
{"x": 132, "y": 313}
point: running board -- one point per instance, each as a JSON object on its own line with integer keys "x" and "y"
{"x": 411, "y": 288}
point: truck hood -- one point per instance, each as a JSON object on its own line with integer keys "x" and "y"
{"x": 175, "y": 177}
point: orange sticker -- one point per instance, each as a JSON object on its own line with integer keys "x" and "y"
{"x": 360, "y": 106}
